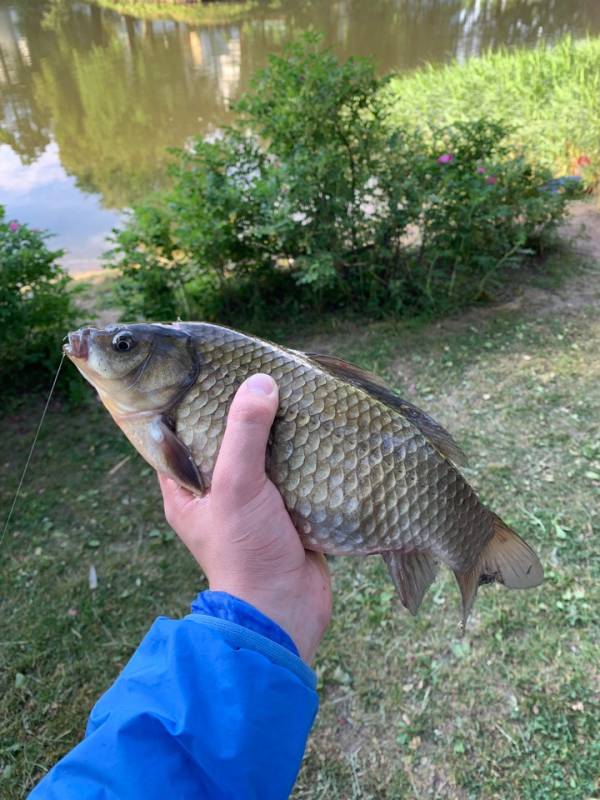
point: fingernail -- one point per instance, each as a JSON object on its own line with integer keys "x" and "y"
{"x": 261, "y": 384}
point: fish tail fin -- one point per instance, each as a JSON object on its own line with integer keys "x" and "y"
{"x": 412, "y": 574}
{"x": 506, "y": 559}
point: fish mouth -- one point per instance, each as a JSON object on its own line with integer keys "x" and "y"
{"x": 78, "y": 344}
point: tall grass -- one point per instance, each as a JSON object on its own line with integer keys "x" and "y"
{"x": 550, "y": 94}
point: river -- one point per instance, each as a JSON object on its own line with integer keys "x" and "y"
{"x": 90, "y": 99}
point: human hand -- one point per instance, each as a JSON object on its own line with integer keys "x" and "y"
{"x": 241, "y": 534}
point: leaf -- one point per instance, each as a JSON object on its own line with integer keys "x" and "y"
{"x": 560, "y": 532}
{"x": 341, "y": 676}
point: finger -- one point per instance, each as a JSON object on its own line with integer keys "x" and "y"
{"x": 239, "y": 473}
{"x": 321, "y": 563}
{"x": 178, "y": 502}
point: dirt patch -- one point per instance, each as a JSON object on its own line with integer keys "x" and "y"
{"x": 581, "y": 233}
{"x": 583, "y": 226}
{"x": 97, "y": 313}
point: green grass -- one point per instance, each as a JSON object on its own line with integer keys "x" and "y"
{"x": 409, "y": 709}
{"x": 197, "y": 13}
{"x": 552, "y": 95}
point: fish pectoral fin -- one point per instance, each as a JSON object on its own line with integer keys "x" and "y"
{"x": 176, "y": 456}
{"x": 412, "y": 573}
{"x": 432, "y": 430}
{"x": 506, "y": 559}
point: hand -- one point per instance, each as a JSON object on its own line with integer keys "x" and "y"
{"x": 241, "y": 534}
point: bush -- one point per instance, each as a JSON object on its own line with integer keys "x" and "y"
{"x": 484, "y": 210}
{"x": 312, "y": 201}
{"x": 36, "y": 309}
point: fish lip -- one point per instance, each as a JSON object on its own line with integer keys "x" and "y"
{"x": 78, "y": 344}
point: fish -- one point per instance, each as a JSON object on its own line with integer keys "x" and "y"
{"x": 361, "y": 471}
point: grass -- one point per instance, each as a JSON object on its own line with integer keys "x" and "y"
{"x": 551, "y": 94}
{"x": 409, "y": 709}
{"x": 195, "y": 13}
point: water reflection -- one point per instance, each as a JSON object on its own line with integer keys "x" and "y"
{"x": 94, "y": 98}
{"x": 44, "y": 195}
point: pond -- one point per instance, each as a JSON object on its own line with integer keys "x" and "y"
{"x": 90, "y": 98}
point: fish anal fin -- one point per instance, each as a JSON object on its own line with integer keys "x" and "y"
{"x": 506, "y": 559}
{"x": 432, "y": 430}
{"x": 412, "y": 573}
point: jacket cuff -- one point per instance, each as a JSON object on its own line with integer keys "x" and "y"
{"x": 225, "y": 606}
{"x": 242, "y": 638}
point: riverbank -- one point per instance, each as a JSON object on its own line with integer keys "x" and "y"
{"x": 550, "y": 94}
{"x": 194, "y": 13}
{"x": 408, "y": 708}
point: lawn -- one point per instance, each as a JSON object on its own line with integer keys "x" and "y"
{"x": 409, "y": 709}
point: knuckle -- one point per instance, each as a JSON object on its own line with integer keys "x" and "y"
{"x": 249, "y": 414}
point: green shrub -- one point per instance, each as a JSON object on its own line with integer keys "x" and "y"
{"x": 311, "y": 201}
{"x": 484, "y": 210}
{"x": 36, "y": 308}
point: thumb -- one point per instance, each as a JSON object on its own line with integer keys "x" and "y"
{"x": 239, "y": 473}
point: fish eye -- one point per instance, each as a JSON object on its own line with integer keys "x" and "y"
{"x": 123, "y": 342}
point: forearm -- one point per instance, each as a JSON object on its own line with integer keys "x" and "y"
{"x": 207, "y": 707}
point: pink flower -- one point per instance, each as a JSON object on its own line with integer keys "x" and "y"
{"x": 446, "y": 158}
{"x": 13, "y": 226}
{"x": 481, "y": 170}
{"x": 584, "y": 161}
{"x": 491, "y": 179}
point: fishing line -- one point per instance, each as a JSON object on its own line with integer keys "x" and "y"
{"x": 33, "y": 444}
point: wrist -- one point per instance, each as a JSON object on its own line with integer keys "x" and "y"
{"x": 282, "y": 609}
{"x": 224, "y": 605}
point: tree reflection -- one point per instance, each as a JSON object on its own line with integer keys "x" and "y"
{"x": 120, "y": 92}
{"x": 23, "y": 124}
{"x": 115, "y": 91}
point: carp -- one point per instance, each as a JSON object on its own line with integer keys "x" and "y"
{"x": 360, "y": 470}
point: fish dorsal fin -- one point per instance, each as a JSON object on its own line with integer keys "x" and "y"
{"x": 432, "y": 430}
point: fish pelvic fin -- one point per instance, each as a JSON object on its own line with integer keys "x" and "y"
{"x": 506, "y": 559}
{"x": 412, "y": 574}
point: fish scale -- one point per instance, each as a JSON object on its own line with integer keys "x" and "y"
{"x": 360, "y": 470}
{"x": 348, "y": 489}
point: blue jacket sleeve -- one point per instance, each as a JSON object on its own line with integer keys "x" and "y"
{"x": 214, "y": 706}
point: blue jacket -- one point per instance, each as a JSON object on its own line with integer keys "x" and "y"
{"x": 214, "y": 706}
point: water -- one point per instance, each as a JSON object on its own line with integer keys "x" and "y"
{"x": 90, "y": 99}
